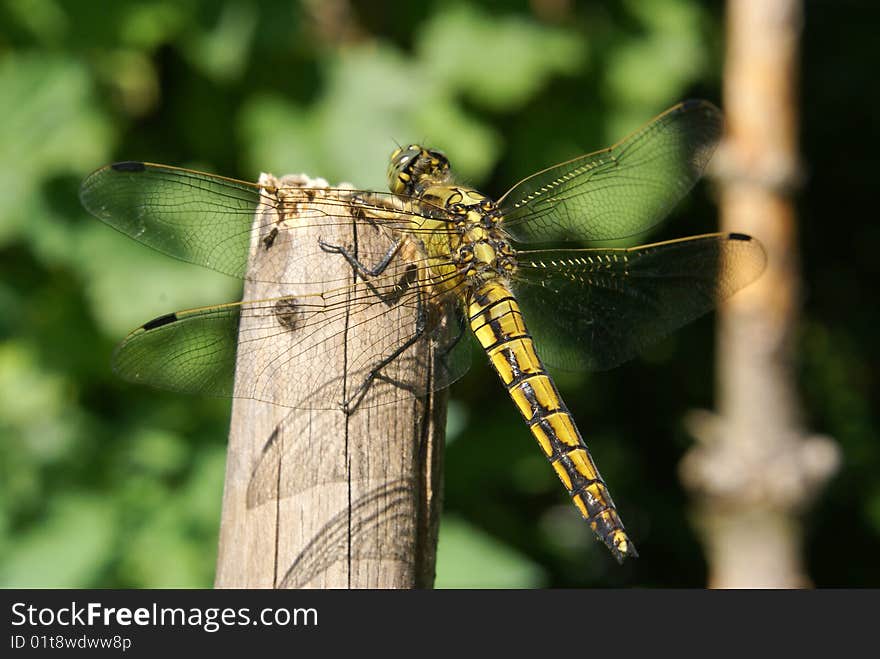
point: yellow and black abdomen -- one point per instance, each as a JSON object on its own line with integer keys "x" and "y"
{"x": 496, "y": 321}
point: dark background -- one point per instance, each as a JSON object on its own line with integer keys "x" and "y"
{"x": 103, "y": 484}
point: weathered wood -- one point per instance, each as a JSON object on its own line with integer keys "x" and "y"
{"x": 317, "y": 497}
{"x": 756, "y": 468}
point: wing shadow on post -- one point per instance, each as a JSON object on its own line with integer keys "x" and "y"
{"x": 360, "y": 532}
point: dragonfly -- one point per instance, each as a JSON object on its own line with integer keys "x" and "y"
{"x": 454, "y": 258}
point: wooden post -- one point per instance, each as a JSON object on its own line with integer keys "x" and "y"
{"x": 756, "y": 468}
{"x": 317, "y": 497}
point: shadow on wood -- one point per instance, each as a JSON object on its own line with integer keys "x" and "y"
{"x": 315, "y": 496}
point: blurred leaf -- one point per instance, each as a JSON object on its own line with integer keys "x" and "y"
{"x": 156, "y": 451}
{"x": 36, "y": 414}
{"x": 147, "y": 25}
{"x": 370, "y": 96}
{"x": 472, "y": 146}
{"x": 133, "y": 77}
{"x": 44, "y": 19}
{"x": 349, "y": 132}
{"x": 132, "y": 284}
{"x": 68, "y": 549}
{"x": 171, "y": 520}
{"x": 873, "y": 510}
{"x": 52, "y": 128}
{"x": 468, "y": 558}
{"x": 280, "y": 138}
{"x": 648, "y": 69}
{"x": 222, "y": 51}
{"x": 530, "y": 474}
{"x": 456, "y": 419}
{"x": 162, "y": 554}
{"x": 373, "y": 98}
{"x": 499, "y": 62}
{"x": 204, "y": 492}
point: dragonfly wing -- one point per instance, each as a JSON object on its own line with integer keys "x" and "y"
{"x": 453, "y": 343}
{"x": 303, "y": 351}
{"x": 596, "y": 308}
{"x": 388, "y": 336}
{"x": 210, "y": 220}
{"x": 189, "y": 215}
{"x": 451, "y": 358}
{"x": 621, "y": 191}
{"x": 191, "y": 351}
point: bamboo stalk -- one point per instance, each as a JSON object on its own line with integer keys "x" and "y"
{"x": 756, "y": 469}
{"x": 319, "y": 497}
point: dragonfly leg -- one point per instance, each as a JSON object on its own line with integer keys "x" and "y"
{"x": 351, "y": 404}
{"x": 396, "y": 293}
{"x": 356, "y": 264}
{"x": 390, "y": 298}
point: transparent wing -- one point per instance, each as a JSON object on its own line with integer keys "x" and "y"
{"x": 318, "y": 313}
{"x": 621, "y": 191}
{"x": 279, "y": 342}
{"x": 596, "y": 308}
{"x": 209, "y": 220}
{"x": 192, "y": 351}
{"x": 451, "y": 343}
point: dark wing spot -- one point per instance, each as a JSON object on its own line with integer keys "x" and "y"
{"x": 739, "y": 236}
{"x": 160, "y": 321}
{"x": 128, "y": 166}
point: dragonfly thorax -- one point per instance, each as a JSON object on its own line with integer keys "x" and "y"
{"x": 482, "y": 257}
{"x": 414, "y": 167}
{"x": 478, "y": 247}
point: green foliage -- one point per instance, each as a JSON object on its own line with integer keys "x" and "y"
{"x": 106, "y": 485}
{"x": 374, "y": 93}
{"x": 469, "y": 558}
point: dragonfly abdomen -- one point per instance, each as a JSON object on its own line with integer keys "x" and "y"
{"x": 497, "y": 322}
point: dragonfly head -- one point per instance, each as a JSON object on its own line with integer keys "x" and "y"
{"x": 413, "y": 168}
